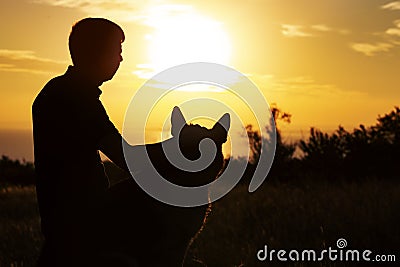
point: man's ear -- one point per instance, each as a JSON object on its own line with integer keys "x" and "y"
{"x": 177, "y": 121}
{"x": 221, "y": 128}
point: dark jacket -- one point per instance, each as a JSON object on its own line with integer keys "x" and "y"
{"x": 69, "y": 121}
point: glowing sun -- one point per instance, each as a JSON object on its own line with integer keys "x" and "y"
{"x": 183, "y": 38}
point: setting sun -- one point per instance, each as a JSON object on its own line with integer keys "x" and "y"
{"x": 184, "y": 38}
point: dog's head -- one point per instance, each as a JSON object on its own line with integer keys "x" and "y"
{"x": 189, "y": 139}
{"x": 191, "y": 135}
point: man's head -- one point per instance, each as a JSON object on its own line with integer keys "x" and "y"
{"x": 95, "y": 47}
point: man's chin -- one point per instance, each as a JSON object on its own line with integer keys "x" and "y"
{"x": 108, "y": 78}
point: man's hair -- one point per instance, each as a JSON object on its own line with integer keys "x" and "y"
{"x": 92, "y": 37}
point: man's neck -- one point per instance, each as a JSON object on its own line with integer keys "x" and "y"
{"x": 88, "y": 75}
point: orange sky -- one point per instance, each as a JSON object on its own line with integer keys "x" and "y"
{"x": 326, "y": 62}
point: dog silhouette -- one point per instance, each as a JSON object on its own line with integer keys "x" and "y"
{"x": 147, "y": 231}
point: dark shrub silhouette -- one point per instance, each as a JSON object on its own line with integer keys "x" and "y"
{"x": 15, "y": 172}
{"x": 323, "y": 152}
{"x": 284, "y": 161}
{"x": 365, "y": 152}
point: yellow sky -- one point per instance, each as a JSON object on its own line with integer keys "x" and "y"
{"x": 326, "y": 62}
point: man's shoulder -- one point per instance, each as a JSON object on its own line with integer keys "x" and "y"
{"x": 56, "y": 85}
{"x": 56, "y": 88}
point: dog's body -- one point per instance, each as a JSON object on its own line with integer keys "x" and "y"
{"x": 157, "y": 234}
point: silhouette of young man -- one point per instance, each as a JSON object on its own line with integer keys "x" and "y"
{"x": 70, "y": 126}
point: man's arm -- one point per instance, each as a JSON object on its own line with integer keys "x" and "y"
{"x": 111, "y": 146}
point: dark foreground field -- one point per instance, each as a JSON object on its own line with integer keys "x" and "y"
{"x": 282, "y": 216}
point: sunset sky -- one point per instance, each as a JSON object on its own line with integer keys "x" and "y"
{"x": 326, "y": 62}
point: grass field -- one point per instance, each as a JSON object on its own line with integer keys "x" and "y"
{"x": 20, "y": 237}
{"x": 282, "y": 216}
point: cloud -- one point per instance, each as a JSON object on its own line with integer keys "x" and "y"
{"x": 13, "y": 68}
{"x": 325, "y": 28}
{"x": 89, "y": 4}
{"x": 25, "y": 55}
{"x": 394, "y": 31}
{"x": 290, "y": 30}
{"x": 27, "y": 61}
{"x": 120, "y": 10}
{"x": 371, "y": 49}
{"x": 321, "y": 27}
{"x": 392, "y": 5}
{"x": 123, "y": 10}
{"x": 155, "y": 14}
{"x": 389, "y": 39}
{"x": 296, "y": 30}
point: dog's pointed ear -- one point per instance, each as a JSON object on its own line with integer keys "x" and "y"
{"x": 221, "y": 128}
{"x": 177, "y": 121}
